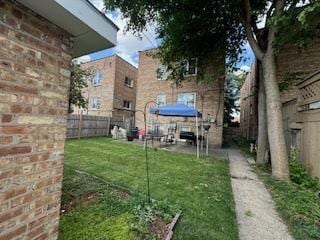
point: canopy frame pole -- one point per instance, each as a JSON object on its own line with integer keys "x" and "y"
{"x": 197, "y": 133}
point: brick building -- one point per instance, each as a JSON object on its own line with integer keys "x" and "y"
{"x": 207, "y": 98}
{"x": 38, "y": 39}
{"x": 249, "y": 105}
{"x": 293, "y": 67}
{"x": 112, "y": 91}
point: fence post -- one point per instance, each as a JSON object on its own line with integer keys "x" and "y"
{"x": 108, "y": 125}
{"x": 80, "y": 125}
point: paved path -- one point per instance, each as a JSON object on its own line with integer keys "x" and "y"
{"x": 255, "y": 209}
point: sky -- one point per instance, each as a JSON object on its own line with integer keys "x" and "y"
{"x": 129, "y": 45}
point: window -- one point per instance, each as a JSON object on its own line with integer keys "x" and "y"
{"x": 95, "y": 103}
{"x": 96, "y": 78}
{"x": 191, "y": 67}
{"x": 187, "y": 98}
{"x": 162, "y": 73}
{"x": 184, "y": 129}
{"x": 128, "y": 82}
{"x": 310, "y": 106}
{"x": 315, "y": 105}
{"x": 127, "y": 104}
{"x": 161, "y": 100}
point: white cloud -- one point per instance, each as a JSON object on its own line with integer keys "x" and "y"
{"x": 128, "y": 44}
{"x": 82, "y": 59}
{"x": 245, "y": 68}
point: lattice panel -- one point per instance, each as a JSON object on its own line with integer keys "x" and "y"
{"x": 310, "y": 92}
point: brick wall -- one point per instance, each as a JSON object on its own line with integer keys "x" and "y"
{"x": 149, "y": 87}
{"x": 105, "y": 91}
{"x": 292, "y": 63}
{"x": 299, "y": 63}
{"x": 249, "y": 105}
{"x": 35, "y": 60}
{"x": 123, "y": 92}
{"x": 112, "y": 90}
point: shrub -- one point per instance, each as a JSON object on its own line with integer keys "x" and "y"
{"x": 299, "y": 175}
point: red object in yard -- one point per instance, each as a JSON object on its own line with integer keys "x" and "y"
{"x": 141, "y": 132}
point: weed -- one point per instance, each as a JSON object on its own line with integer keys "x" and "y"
{"x": 298, "y": 174}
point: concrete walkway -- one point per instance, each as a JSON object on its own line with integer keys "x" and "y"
{"x": 255, "y": 209}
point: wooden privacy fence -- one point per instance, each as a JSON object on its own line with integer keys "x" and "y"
{"x": 87, "y": 126}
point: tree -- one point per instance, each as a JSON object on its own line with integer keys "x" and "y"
{"x": 219, "y": 28}
{"x": 79, "y": 78}
{"x": 234, "y": 81}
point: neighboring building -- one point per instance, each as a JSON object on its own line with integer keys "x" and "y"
{"x": 38, "y": 39}
{"x": 112, "y": 89}
{"x": 249, "y": 105}
{"x": 293, "y": 68}
{"x": 153, "y": 85}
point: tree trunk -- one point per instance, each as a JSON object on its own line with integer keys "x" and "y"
{"x": 263, "y": 145}
{"x": 279, "y": 156}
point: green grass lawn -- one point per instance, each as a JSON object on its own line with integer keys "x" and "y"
{"x": 298, "y": 206}
{"x": 94, "y": 210}
{"x": 201, "y": 188}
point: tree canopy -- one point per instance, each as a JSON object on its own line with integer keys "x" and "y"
{"x": 218, "y": 28}
{"x": 78, "y": 82}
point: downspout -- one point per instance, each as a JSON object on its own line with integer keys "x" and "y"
{"x": 248, "y": 113}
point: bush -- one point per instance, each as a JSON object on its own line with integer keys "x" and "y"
{"x": 299, "y": 175}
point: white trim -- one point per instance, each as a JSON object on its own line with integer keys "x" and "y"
{"x": 91, "y": 30}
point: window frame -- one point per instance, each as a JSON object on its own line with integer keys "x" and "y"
{"x": 97, "y": 102}
{"x": 94, "y": 83}
{"x": 130, "y": 104}
{"x": 188, "y": 127}
{"x": 162, "y": 71}
{"x": 165, "y": 100}
{"x": 130, "y": 80}
{"x": 188, "y": 74}
{"x": 191, "y": 93}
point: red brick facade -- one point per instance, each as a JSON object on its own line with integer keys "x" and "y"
{"x": 112, "y": 90}
{"x": 35, "y": 60}
{"x": 208, "y": 98}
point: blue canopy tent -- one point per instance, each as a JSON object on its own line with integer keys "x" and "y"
{"x": 176, "y": 110}
{"x": 179, "y": 110}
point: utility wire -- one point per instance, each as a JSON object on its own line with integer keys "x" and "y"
{"x": 149, "y": 40}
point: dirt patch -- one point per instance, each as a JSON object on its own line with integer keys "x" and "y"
{"x": 122, "y": 194}
{"x": 83, "y": 199}
{"x": 159, "y": 228}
